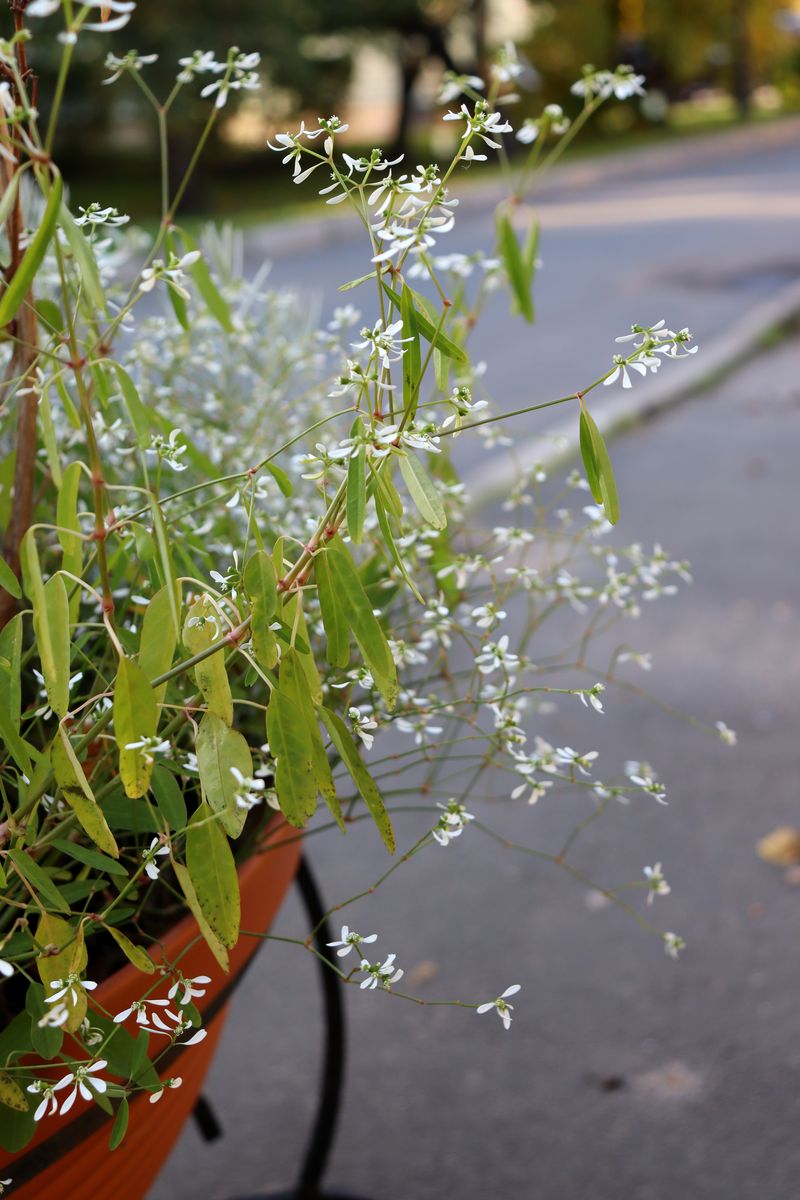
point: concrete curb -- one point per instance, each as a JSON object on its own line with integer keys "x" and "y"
{"x": 282, "y": 238}
{"x": 677, "y": 381}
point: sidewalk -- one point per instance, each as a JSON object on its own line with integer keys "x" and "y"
{"x": 625, "y": 1075}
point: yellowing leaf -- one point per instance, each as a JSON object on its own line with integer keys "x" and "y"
{"x": 70, "y": 958}
{"x": 200, "y": 630}
{"x": 135, "y": 954}
{"x": 78, "y": 794}
{"x": 11, "y": 1094}
{"x": 210, "y": 864}
{"x": 190, "y": 896}
{"x": 135, "y": 719}
{"x": 220, "y": 750}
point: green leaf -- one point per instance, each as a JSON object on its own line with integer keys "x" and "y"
{"x": 169, "y": 797}
{"x": 348, "y": 751}
{"x": 137, "y": 411}
{"x": 177, "y": 300}
{"x": 157, "y": 647}
{"x": 20, "y": 750}
{"x": 71, "y": 958}
{"x": 50, "y": 624}
{"x": 589, "y": 461}
{"x": 530, "y": 249}
{"x": 386, "y": 529}
{"x": 210, "y": 864}
{"x": 366, "y": 628}
{"x": 9, "y": 197}
{"x": 516, "y": 268}
{"x": 135, "y": 718}
{"x": 50, "y": 315}
{"x": 220, "y": 749}
{"x": 23, "y": 277}
{"x": 120, "y": 1126}
{"x": 333, "y": 619}
{"x": 261, "y": 587}
{"x": 201, "y": 629}
{"x": 9, "y": 581}
{"x": 423, "y": 491}
{"x": 293, "y": 682}
{"x": 11, "y": 1094}
{"x": 10, "y": 676}
{"x": 134, "y": 954}
{"x": 74, "y": 785}
{"x": 39, "y": 880}
{"x": 292, "y": 748}
{"x": 47, "y": 1040}
{"x": 165, "y": 562}
{"x": 84, "y": 257}
{"x": 354, "y": 283}
{"x": 426, "y": 326}
{"x": 214, "y": 301}
{"x": 69, "y": 528}
{"x": 212, "y": 941}
{"x": 606, "y": 483}
{"x": 412, "y": 358}
{"x": 281, "y": 478}
{"x": 357, "y": 488}
{"x": 89, "y": 858}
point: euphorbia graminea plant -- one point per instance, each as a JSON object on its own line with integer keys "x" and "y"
{"x": 242, "y": 540}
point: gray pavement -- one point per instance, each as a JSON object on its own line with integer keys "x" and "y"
{"x": 625, "y": 1076}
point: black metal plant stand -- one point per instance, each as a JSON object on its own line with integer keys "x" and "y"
{"x": 320, "y": 1143}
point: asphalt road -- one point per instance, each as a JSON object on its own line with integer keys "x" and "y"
{"x": 626, "y": 1076}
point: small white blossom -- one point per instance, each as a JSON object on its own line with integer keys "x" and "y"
{"x": 156, "y": 849}
{"x": 656, "y": 883}
{"x": 592, "y": 696}
{"x": 349, "y": 938}
{"x": 383, "y": 974}
{"x": 727, "y": 735}
{"x": 189, "y": 987}
{"x": 501, "y": 1005}
{"x": 673, "y": 944}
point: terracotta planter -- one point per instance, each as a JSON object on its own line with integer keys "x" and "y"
{"x": 69, "y": 1155}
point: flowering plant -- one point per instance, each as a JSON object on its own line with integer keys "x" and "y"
{"x": 250, "y": 578}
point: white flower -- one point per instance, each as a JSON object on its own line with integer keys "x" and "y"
{"x": 621, "y": 368}
{"x": 384, "y": 974}
{"x": 538, "y": 789}
{"x": 84, "y": 1083}
{"x": 6, "y": 968}
{"x": 40, "y": 1088}
{"x": 592, "y": 696}
{"x": 501, "y": 1005}
{"x": 151, "y": 1022}
{"x": 71, "y": 987}
{"x": 383, "y": 342}
{"x": 199, "y": 63}
{"x": 727, "y": 735}
{"x": 349, "y": 938}
{"x": 656, "y": 883}
{"x": 496, "y": 655}
{"x": 642, "y": 775}
{"x": 673, "y": 944}
{"x": 571, "y": 758}
{"x": 129, "y": 62}
{"x": 175, "y": 1082}
{"x": 156, "y": 848}
{"x": 454, "y": 85}
{"x": 150, "y": 746}
{"x": 189, "y": 987}
{"x": 452, "y": 823}
{"x": 362, "y": 723}
{"x": 248, "y": 790}
{"x": 486, "y": 616}
{"x": 481, "y": 123}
